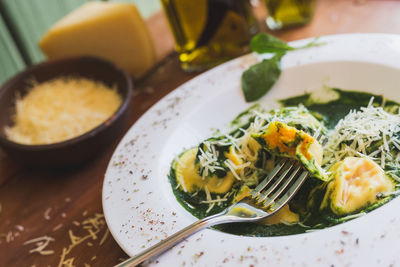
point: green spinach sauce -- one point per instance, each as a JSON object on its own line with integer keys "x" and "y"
{"x": 313, "y": 219}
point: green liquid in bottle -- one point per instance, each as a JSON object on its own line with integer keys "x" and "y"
{"x": 289, "y": 13}
{"x": 209, "y": 32}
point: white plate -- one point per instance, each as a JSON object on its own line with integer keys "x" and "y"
{"x": 141, "y": 209}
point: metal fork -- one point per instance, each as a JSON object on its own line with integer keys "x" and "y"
{"x": 256, "y": 206}
{"x": 283, "y": 181}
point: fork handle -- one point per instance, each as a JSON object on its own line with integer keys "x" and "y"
{"x": 174, "y": 239}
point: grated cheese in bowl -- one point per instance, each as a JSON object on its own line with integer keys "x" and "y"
{"x": 61, "y": 109}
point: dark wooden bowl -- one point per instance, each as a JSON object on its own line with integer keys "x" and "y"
{"x": 79, "y": 149}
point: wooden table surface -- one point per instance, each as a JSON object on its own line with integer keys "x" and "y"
{"x": 62, "y": 210}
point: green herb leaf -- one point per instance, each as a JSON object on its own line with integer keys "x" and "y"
{"x": 259, "y": 78}
{"x": 266, "y": 43}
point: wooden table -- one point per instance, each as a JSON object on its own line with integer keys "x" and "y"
{"x": 62, "y": 210}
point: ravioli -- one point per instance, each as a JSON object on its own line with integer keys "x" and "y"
{"x": 299, "y": 117}
{"x": 188, "y": 178}
{"x": 357, "y": 183}
{"x": 284, "y": 215}
{"x": 283, "y": 140}
{"x": 356, "y": 171}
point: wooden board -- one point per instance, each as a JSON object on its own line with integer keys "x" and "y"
{"x": 56, "y": 204}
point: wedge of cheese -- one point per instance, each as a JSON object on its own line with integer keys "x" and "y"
{"x": 112, "y": 31}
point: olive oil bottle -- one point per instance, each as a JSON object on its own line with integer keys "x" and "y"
{"x": 209, "y": 32}
{"x": 288, "y": 13}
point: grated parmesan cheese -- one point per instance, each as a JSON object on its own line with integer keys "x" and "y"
{"x": 61, "y": 109}
{"x": 41, "y": 244}
{"x": 244, "y": 168}
{"x": 359, "y": 130}
{"x": 209, "y": 157}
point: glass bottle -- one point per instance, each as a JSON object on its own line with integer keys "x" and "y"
{"x": 288, "y": 13}
{"x": 209, "y": 32}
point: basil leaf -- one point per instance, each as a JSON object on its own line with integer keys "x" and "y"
{"x": 266, "y": 43}
{"x": 259, "y": 78}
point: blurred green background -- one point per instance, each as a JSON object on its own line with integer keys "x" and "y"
{"x": 23, "y": 23}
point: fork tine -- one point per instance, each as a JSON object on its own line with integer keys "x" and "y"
{"x": 282, "y": 176}
{"x": 270, "y": 200}
{"x": 288, "y": 177}
{"x": 269, "y": 178}
{"x": 292, "y": 190}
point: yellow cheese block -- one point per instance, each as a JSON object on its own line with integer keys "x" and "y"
{"x": 113, "y": 31}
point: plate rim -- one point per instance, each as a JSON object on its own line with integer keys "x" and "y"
{"x": 199, "y": 77}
